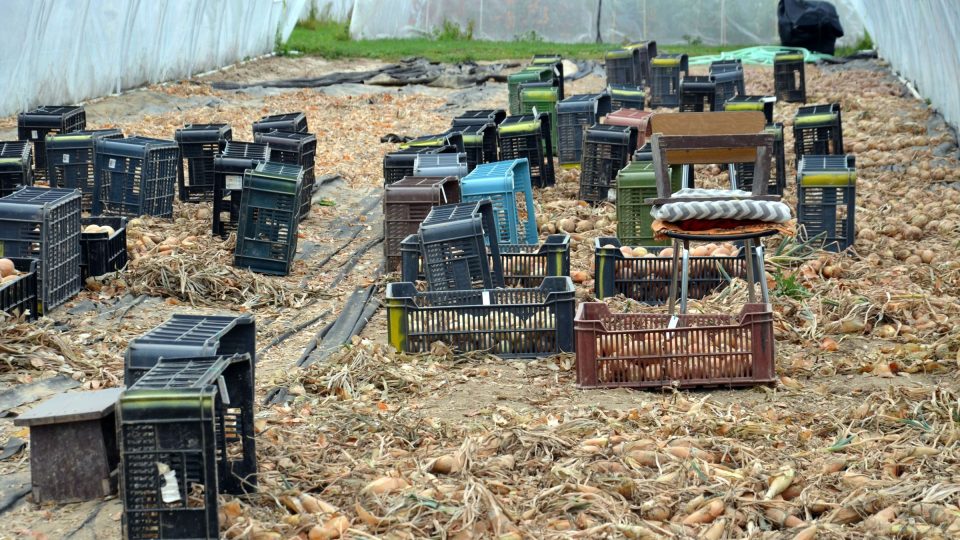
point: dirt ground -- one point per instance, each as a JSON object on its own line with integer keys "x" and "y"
{"x": 863, "y": 419}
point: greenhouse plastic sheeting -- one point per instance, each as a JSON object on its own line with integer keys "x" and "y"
{"x": 333, "y": 10}
{"x": 66, "y": 51}
{"x": 712, "y": 22}
{"x": 920, "y": 40}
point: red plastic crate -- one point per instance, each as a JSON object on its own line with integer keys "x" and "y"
{"x": 632, "y": 118}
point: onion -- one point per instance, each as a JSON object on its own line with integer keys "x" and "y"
{"x": 6, "y": 268}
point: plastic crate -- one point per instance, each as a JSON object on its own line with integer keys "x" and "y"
{"x": 407, "y": 203}
{"x": 626, "y": 97}
{"x": 15, "y": 170}
{"x": 71, "y": 160}
{"x": 18, "y": 297}
{"x": 507, "y": 185}
{"x": 44, "y": 224}
{"x": 102, "y": 253}
{"x": 526, "y": 75}
{"x": 635, "y": 184}
{"x": 440, "y": 165}
{"x": 728, "y": 74}
{"x": 789, "y": 78}
{"x": 621, "y": 66}
{"x": 644, "y": 153}
{"x": 826, "y": 199}
{"x": 34, "y": 126}
{"x": 640, "y": 350}
{"x": 606, "y": 150}
{"x": 537, "y": 98}
{"x": 742, "y": 173}
{"x": 574, "y": 115}
{"x": 228, "y": 167}
{"x": 763, "y": 104}
{"x": 529, "y": 137}
{"x": 479, "y": 143}
{"x": 632, "y": 118}
{"x": 294, "y": 122}
{"x": 555, "y": 62}
{"x": 524, "y": 265}
{"x": 187, "y": 336}
{"x": 135, "y": 176}
{"x": 647, "y": 279}
{"x": 270, "y": 206}
{"x": 294, "y": 149}
{"x": 479, "y": 117}
{"x": 647, "y": 50}
{"x": 666, "y": 70}
{"x": 440, "y": 140}
{"x": 511, "y": 323}
{"x": 454, "y": 239}
{"x": 399, "y": 164}
{"x": 818, "y": 131}
{"x": 199, "y": 145}
{"x": 697, "y": 93}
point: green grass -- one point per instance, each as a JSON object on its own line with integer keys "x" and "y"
{"x": 864, "y": 43}
{"x": 449, "y": 44}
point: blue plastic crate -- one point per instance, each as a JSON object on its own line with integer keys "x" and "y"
{"x": 507, "y": 185}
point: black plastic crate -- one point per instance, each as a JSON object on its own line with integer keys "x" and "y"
{"x": 479, "y": 117}
{"x": 529, "y": 137}
{"x": 44, "y": 224}
{"x": 698, "y": 93}
{"x": 621, "y": 66}
{"x": 102, "y": 252}
{"x": 554, "y": 62}
{"x": 789, "y": 78}
{"x": 399, "y": 164}
{"x": 763, "y": 104}
{"x": 524, "y": 265}
{"x": 270, "y": 207}
{"x": 71, "y": 160}
{"x": 728, "y": 74}
{"x": 647, "y": 50}
{"x": 574, "y": 115}
{"x": 35, "y": 125}
{"x": 625, "y": 96}
{"x": 406, "y": 204}
{"x": 479, "y": 143}
{"x": 439, "y": 140}
{"x": 666, "y": 70}
{"x": 826, "y": 199}
{"x": 647, "y": 279}
{"x": 818, "y": 131}
{"x": 294, "y": 149}
{"x": 199, "y": 145}
{"x": 511, "y": 323}
{"x": 454, "y": 239}
{"x": 742, "y": 173}
{"x": 229, "y": 166}
{"x": 18, "y": 296}
{"x": 15, "y": 170}
{"x": 295, "y": 122}
{"x": 135, "y": 176}
{"x": 606, "y": 150}
{"x": 186, "y": 336}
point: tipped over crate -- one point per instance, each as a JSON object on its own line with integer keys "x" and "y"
{"x": 641, "y": 350}
{"x": 741, "y": 174}
{"x": 666, "y": 70}
{"x": 554, "y": 62}
{"x": 475, "y": 117}
{"x": 826, "y": 199}
{"x": 440, "y": 140}
{"x": 186, "y": 336}
{"x": 399, "y": 164}
{"x": 507, "y": 185}
{"x": 511, "y": 323}
{"x": 763, "y": 104}
{"x": 454, "y": 240}
{"x": 529, "y": 74}
{"x": 269, "y": 213}
{"x": 15, "y": 169}
{"x": 407, "y": 203}
{"x": 103, "y": 252}
{"x": 479, "y": 142}
{"x": 632, "y": 118}
{"x": 199, "y": 145}
{"x": 789, "y": 78}
{"x": 71, "y": 160}
{"x": 623, "y": 96}
{"x": 35, "y": 125}
{"x": 441, "y": 165}
{"x": 698, "y": 93}
{"x": 294, "y": 122}
{"x": 229, "y": 166}
{"x": 18, "y": 297}
{"x": 728, "y": 75}
{"x": 135, "y": 176}
{"x": 541, "y": 99}
{"x": 818, "y": 131}
{"x": 574, "y": 115}
{"x": 621, "y": 66}
{"x": 606, "y": 150}
{"x": 294, "y": 149}
{"x": 635, "y": 184}
{"x": 44, "y": 224}
{"x": 530, "y": 137}
{"x": 647, "y": 50}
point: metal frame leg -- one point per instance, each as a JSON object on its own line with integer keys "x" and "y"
{"x": 764, "y": 293}
{"x": 672, "y": 300}
{"x": 685, "y": 277}
{"x": 751, "y": 279}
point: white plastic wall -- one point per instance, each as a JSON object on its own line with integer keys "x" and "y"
{"x": 66, "y": 51}
{"x": 921, "y": 40}
{"x": 334, "y": 10}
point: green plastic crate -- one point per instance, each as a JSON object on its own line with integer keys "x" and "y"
{"x": 543, "y": 99}
{"x": 526, "y": 75}
{"x": 635, "y": 183}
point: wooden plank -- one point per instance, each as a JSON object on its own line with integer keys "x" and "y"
{"x": 72, "y": 407}
{"x": 708, "y": 123}
{"x": 711, "y": 155}
{"x": 28, "y": 393}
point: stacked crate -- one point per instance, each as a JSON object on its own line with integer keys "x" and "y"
{"x": 199, "y": 145}
{"x": 407, "y": 203}
{"x": 35, "y": 125}
{"x": 574, "y": 115}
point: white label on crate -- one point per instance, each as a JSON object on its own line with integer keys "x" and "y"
{"x": 224, "y": 396}
{"x": 66, "y": 158}
{"x": 486, "y": 297}
{"x": 234, "y": 182}
{"x": 34, "y": 135}
{"x": 112, "y": 164}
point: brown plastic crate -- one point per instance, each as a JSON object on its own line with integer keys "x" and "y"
{"x": 637, "y": 350}
{"x": 633, "y": 118}
{"x": 406, "y": 203}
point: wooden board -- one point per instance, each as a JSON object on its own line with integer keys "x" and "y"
{"x": 28, "y": 393}
{"x": 708, "y": 123}
{"x": 72, "y": 407}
